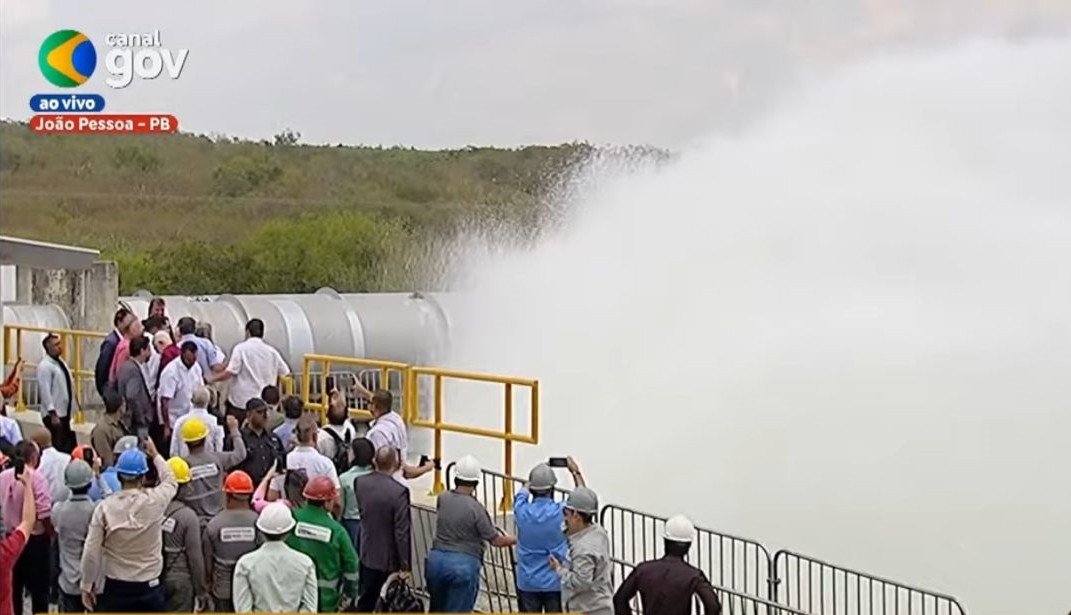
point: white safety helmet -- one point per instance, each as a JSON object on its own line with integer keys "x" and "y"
{"x": 276, "y": 519}
{"x": 468, "y": 469}
{"x": 679, "y": 529}
{"x": 542, "y": 477}
{"x": 583, "y": 500}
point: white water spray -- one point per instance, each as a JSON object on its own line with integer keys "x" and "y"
{"x": 845, "y": 332}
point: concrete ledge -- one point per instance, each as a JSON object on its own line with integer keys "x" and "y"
{"x": 29, "y": 420}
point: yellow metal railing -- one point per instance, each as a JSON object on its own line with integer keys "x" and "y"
{"x": 410, "y": 377}
{"x": 72, "y": 343}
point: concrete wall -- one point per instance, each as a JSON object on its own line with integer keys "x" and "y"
{"x": 88, "y": 297}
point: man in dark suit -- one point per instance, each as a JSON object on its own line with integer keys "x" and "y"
{"x": 139, "y": 414}
{"x": 107, "y": 352}
{"x": 385, "y": 527}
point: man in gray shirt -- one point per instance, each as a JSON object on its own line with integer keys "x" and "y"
{"x": 71, "y": 520}
{"x": 463, "y": 525}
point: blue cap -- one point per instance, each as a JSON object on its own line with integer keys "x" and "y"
{"x": 132, "y": 463}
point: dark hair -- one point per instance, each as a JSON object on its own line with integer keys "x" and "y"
{"x": 25, "y": 450}
{"x": 542, "y": 493}
{"x": 138, "y": 345}
{"x": 113, "y": 402}
{"x": 337, "y": 413}
{"x": 383, "y": 400}
{"x": 270, "y": 394}
{"x": 363, "y": 452}
{"x": 255, "y": 327}
{"x": 294, "y": 486}
{"x": 673, "y": 547}
{"x": 153, "y": 324}
{"x": 48, "y": 339}
{"x": 306, "y": 430}
{"x": 120, "y": 316}
{"x": 155, "y": 301}
{"x": 81, "y": 490}
{"x": 293, "y": 407}
{"x": 465, "y": 483}
{"x": 255, "y": 404}
{"x": 186, "y": 325}
{"x": 189, "y": 347}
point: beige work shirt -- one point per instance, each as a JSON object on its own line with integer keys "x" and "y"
{"x": 124, "y": 536}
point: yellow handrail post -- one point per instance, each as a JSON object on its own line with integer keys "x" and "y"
{"x": 437, "y": 486}
{"x": 79, "y": 415}
{"x": 20, "y": 402}
{"x": 507, "y": 493}
{"x": 305, "y": 380}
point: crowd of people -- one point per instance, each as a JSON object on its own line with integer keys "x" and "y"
{"x": 259, "y": 508}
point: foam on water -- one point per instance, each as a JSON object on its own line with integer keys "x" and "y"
{"x": 846, "y": 331}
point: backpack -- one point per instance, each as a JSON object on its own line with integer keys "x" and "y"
{"x": 342, "y": 451}
{"x": 397, "y": 597}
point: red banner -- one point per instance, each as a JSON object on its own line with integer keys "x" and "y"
{"x": 149, "y": 123}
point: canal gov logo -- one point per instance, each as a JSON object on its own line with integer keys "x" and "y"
{"x": 67, "y": 58}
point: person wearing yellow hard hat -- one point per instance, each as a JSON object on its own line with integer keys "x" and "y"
{"x": 184, "y": 564}
{"x": 204, "y": 493}
{"x": 181, "y": 434}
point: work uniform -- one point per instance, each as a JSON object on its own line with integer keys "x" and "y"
{"x": 184, "y": 564}
{"x": 71, "y": 520}
{"x": 586, "y": 583}
{"x": 666, "y": 587}
{"x": 124, "y": 544}
{"x": 229, "y": 535}
{"x": 204, "y": 493}
{"x": 324, "y": 540}
{"x": 275, "y": 579}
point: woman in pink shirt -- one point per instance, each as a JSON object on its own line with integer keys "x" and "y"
{"x": 36, "y": 551}
{"x": 130, "y": 329}
{"x": 294, "y": 484}
{"x": 11, "y": 547}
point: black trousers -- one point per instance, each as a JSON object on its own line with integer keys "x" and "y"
{"x": 368, "y": 588}
{"x": 30, "y": 574}
{"x": 131, "y": 597}
{"x": 63, "y": 438}
{"x": 539, "y": 602}
{"x": 70, "y": 603}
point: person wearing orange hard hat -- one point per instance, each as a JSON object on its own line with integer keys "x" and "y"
{"x": 327, "y": 543}
{"x": 230, "y": 534}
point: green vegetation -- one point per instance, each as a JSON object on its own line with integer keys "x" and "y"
{"x": 186, "y": 214}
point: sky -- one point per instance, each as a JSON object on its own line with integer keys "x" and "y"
{"x": 434, "y": 74}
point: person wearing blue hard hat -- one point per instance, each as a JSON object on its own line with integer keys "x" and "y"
{"x": 109, "y": 478}
{"x": 127, "y": 528}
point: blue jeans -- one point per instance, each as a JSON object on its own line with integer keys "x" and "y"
{"x": 353, "y": 528}
{"x": 453, "y": 581}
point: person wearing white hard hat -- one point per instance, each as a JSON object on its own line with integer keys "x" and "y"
{"x": 462, "y": 526}
{"x": 539, "y": 519}
{"x": 666, "y": 586}
{"x": 587, "y": 586}
{"x": 275, "y": 578}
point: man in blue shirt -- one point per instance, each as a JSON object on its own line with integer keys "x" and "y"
{"x": 293, "y": 409}
{"x": 109, "y": 476}
{"x": 539, "y": 535}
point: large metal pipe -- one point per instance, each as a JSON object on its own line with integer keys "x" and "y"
{"x": 50, "y": 317}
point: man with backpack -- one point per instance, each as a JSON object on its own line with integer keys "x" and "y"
{"x": 336, "y": 437}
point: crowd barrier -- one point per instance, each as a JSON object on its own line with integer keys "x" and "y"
{"x": 743, "y": 569}
{"x": 79, "y": 352}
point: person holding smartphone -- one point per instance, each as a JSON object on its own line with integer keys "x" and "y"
{"x": 12, "y": 545}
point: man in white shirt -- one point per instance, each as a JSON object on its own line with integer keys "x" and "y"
{"x": 339, "y": 432}
{"x": 306, "y": 457}
{"x": 177, "y": 384}
{"x": 199, "y": 408}
{"x": 253, "y": 365}
{"x": 389, "y": 430}
{"x": 51, "y": 464}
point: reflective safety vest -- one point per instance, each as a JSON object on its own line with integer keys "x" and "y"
{"x": 326, "y": 542}
{"x": 229, "y": 535}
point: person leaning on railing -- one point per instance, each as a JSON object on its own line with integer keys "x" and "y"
{"x": 587, "y": 586}
{"x": 539, "y": 534}
{"x": 667, "y": 585}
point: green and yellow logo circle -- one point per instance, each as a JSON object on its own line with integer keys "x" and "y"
{"x": 67, "y": 58}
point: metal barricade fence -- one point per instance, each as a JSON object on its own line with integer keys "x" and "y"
{"x": 493, "y": 488}
{"x": 732, "y": 602}
{"x": 321, "y": 373}
{"x": 820, "y": 587}
{"x": 739, "y": 564}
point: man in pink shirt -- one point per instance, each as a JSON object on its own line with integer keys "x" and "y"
{"x": 31, "y": 567}
{"x": 12, "y": 545}
{"x": 129, "y": 329}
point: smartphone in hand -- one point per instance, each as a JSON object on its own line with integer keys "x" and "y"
{"x": 558, "y": 462}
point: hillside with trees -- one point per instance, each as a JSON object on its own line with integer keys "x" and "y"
{"x": 189, "y": 214}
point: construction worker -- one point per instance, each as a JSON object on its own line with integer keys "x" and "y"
{"x": 184, "y": 564}
{"x": 230, "y": 535}
{"x": 71, "y": 521}
{"x": 275, "y": 578}
{"x": 124, "y": 539}
{"x": 204, "y": 493}
{"x": 539, "y": 519}
{"x": 462, "y": 527}
{"x": 110, "y": 476}
{"x": 586, "y": 584}
{"x": 319, "y": 536}
{"x": 667, "y": 585}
